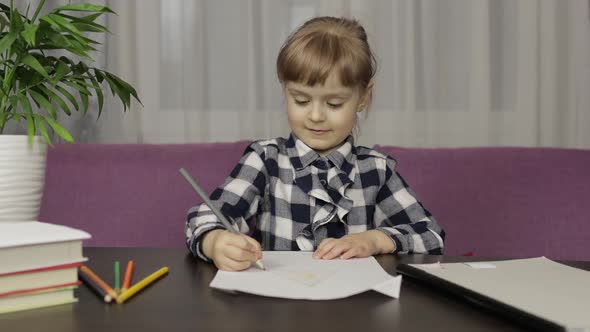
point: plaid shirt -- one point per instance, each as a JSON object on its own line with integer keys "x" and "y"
{"x": 288, "y": 197}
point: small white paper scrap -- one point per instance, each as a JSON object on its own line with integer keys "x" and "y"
{"x": 431, "y": 266}
{"x": 481, "y": 265}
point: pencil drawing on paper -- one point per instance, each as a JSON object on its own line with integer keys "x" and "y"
{"x": 306, "y": 276}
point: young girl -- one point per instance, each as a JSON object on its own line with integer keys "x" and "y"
{"x": 316, "y": 191}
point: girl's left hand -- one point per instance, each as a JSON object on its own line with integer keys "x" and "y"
{"x": 363, "y": 244}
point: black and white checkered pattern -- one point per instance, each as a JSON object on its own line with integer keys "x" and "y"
{"x": 288, "y": 197}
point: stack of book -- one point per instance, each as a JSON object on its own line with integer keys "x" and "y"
{"x": 38, "y": 264}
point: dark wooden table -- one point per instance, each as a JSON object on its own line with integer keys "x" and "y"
{"x": 183, "y": 301}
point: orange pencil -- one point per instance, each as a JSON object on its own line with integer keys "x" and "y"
{"x": 93, "y": 286}
{"x": 84, "y": 269}
{"x": 127, "y": 279}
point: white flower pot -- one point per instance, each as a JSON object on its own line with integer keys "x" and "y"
{"x": 22, "y": 174}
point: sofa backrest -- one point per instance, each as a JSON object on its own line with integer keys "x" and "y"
{"x": 131, "y": 195}
{"x": 509, "y": 202}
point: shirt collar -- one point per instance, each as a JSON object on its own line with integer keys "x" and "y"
{"x": 299, "y": 153}
{"x": 302, "y": 155}
{"x": 345, "y": 156}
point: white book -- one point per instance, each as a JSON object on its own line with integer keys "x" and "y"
{"x": 35, "y": 300}
{"x": 38, "y": 279}
{"x": 32, "y": 245}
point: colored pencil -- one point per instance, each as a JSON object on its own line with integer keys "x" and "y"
{"x": 117, "y": 278}
{"x": 84, "y": 269}
{"x": 93, "y": 286}
{"x": 141, "y": 285}
{"x": 127, "y": 278}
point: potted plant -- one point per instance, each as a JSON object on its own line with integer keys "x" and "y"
{"x": 45, "y": 74}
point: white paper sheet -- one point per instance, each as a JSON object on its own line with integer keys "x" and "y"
{"x": 296, "y": 275}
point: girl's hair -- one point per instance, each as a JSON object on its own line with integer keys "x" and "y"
{"x": 323, "y": 44}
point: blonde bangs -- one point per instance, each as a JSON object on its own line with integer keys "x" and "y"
{"x": 312, "y": 58}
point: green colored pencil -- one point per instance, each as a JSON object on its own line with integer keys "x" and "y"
{"x": 117, "y": 278}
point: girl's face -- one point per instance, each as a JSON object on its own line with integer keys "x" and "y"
{"x": 322, "y": 116}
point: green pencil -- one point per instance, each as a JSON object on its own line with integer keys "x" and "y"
{"x": 117, "y": 279}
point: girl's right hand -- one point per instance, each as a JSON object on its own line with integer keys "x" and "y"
{"x": 230, "y": 251}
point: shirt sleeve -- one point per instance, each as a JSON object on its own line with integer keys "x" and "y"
{"x": 400, "y": 215}
{"x": 237, "y": 198}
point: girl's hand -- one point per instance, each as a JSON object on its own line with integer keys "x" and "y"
{"x": 230, "y": 251}
{"x": 363, "y": 244}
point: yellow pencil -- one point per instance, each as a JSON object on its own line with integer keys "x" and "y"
{"x": 141, "y": 285}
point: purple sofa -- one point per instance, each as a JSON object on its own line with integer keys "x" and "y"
{"x": 501, "y": 202}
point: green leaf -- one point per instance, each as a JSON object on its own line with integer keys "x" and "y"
{"x": 58, "y": 39}
{"x": 90, "y": 41}
{"x": 27, "y": 78}
{"x": 83, "y": 94}
{"x": 37, "y": 10}
{"x": 67, "y": 61}
{"x": 14, "y": 102}
{"x": 78, "y": 87}
{"x": 84, "y": 7}
{"x": 43, "y": 102}
{"x": 32, "y": 62}
{"x": 16, "y": 22}
{"x": 90, "y": 27}
{"x": 30, "y": 127}
{"x": 89, "y": 18}
{"x": 118, "y": 91}
{"x": 99, "y": 75}
{"x": 80, "y": 79}
{"x": 75, "y": 42}
{"x": 80, "y": 69}
{"x": 42, "y": 80}
{"x": 58, "y": 129}
{"x": 60, "y": 71}
{"x": 24, "y": 101}
{"x": 3, "y": 22}
{"x": 68, "y": 95}
{"x": 77, "y": 48}
{"x": 61, "y": 23}
{"x": 49, "y": 46}
{"x": 27, "y": 11}
{"x": 29, "y": 33}
{"x": 84, "y": 103}
{"x": 99, "y": 94}
{"x": 51, "y": 21}
{"x": 43, "y": 130}
{"x": 127, "y": 87}
{"x": 79, "y": 53}
{"x": 7, "y": 41}
{"x": 57, "y": 99}
{"x": 65, "y": 24}
{"x": 3, "y": 116}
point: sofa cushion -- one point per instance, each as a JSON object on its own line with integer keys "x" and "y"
{"x": 131, "y": 194}
{"x": 509, "y": 202}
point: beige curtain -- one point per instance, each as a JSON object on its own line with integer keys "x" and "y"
{"x": 451, "y": 72}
